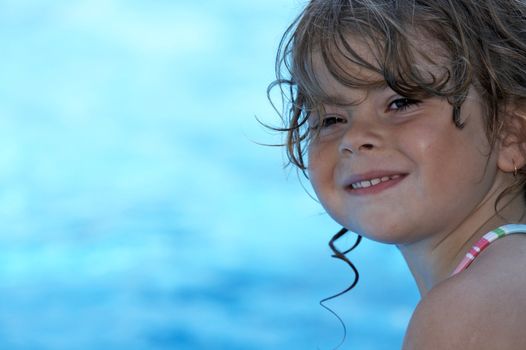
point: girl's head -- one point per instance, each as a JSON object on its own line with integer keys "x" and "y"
{"x": 477, "y": 43}
{"x": 392, "y": 63}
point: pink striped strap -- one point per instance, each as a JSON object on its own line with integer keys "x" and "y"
{"x": 485, "y": 241}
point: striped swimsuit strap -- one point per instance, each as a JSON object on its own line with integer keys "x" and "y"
{"x": 485, "y": 241}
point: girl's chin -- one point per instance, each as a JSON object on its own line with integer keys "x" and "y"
{"x": 381, "y": 235}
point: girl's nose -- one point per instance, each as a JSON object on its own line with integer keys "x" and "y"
{"x": 359, "y": 138}
{"x": 349, "y": 148}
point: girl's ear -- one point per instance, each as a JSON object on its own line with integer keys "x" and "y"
{"x": 512, "y": 139}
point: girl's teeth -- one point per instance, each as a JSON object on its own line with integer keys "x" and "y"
{"x": 365, "y": 184}
{"x": 373, "y": 182}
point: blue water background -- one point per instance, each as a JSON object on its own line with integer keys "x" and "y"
{"x": 138, "y": 210}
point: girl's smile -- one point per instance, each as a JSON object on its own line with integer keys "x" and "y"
{"x": 372, "y": 182}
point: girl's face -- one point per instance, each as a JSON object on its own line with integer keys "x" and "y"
{"x": 395, "y": 169}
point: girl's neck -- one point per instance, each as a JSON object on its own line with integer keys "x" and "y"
{"x": 433, "y": 260}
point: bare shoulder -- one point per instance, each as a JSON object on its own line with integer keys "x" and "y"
{"x": 483, "y": 307}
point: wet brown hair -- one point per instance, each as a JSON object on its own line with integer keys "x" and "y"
{"x": 483, "y": 44}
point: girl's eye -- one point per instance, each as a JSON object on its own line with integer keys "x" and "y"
{"x": 331, "y": 120}
{"x": 401, "y": 104}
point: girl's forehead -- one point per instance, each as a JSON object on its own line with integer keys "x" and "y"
{"x": 357, "y": 51}
{"x": 334, "y": 92}
{"x": 331, "y": 84}
{"x": 362, "y": 63}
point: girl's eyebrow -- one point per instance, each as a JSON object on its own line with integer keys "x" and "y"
{"x": 339, "y": 99}
{"x": 380, "y": 84}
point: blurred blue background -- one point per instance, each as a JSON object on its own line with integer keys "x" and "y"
{"x": 137, "y": 209}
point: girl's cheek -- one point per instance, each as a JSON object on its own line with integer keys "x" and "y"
{"x": 319, "y": 170}
{"x": 313, "y": 157}
{"x": 315, "y": 154}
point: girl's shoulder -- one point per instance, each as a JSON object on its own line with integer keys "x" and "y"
{"x": 483, "y": 307}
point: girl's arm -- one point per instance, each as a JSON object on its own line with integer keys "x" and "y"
{"x": 481, "y": 308}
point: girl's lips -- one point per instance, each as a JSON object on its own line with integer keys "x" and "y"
{"x": 373, "y": 184}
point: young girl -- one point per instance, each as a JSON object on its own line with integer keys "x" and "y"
{"x": 409, "y": 116}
